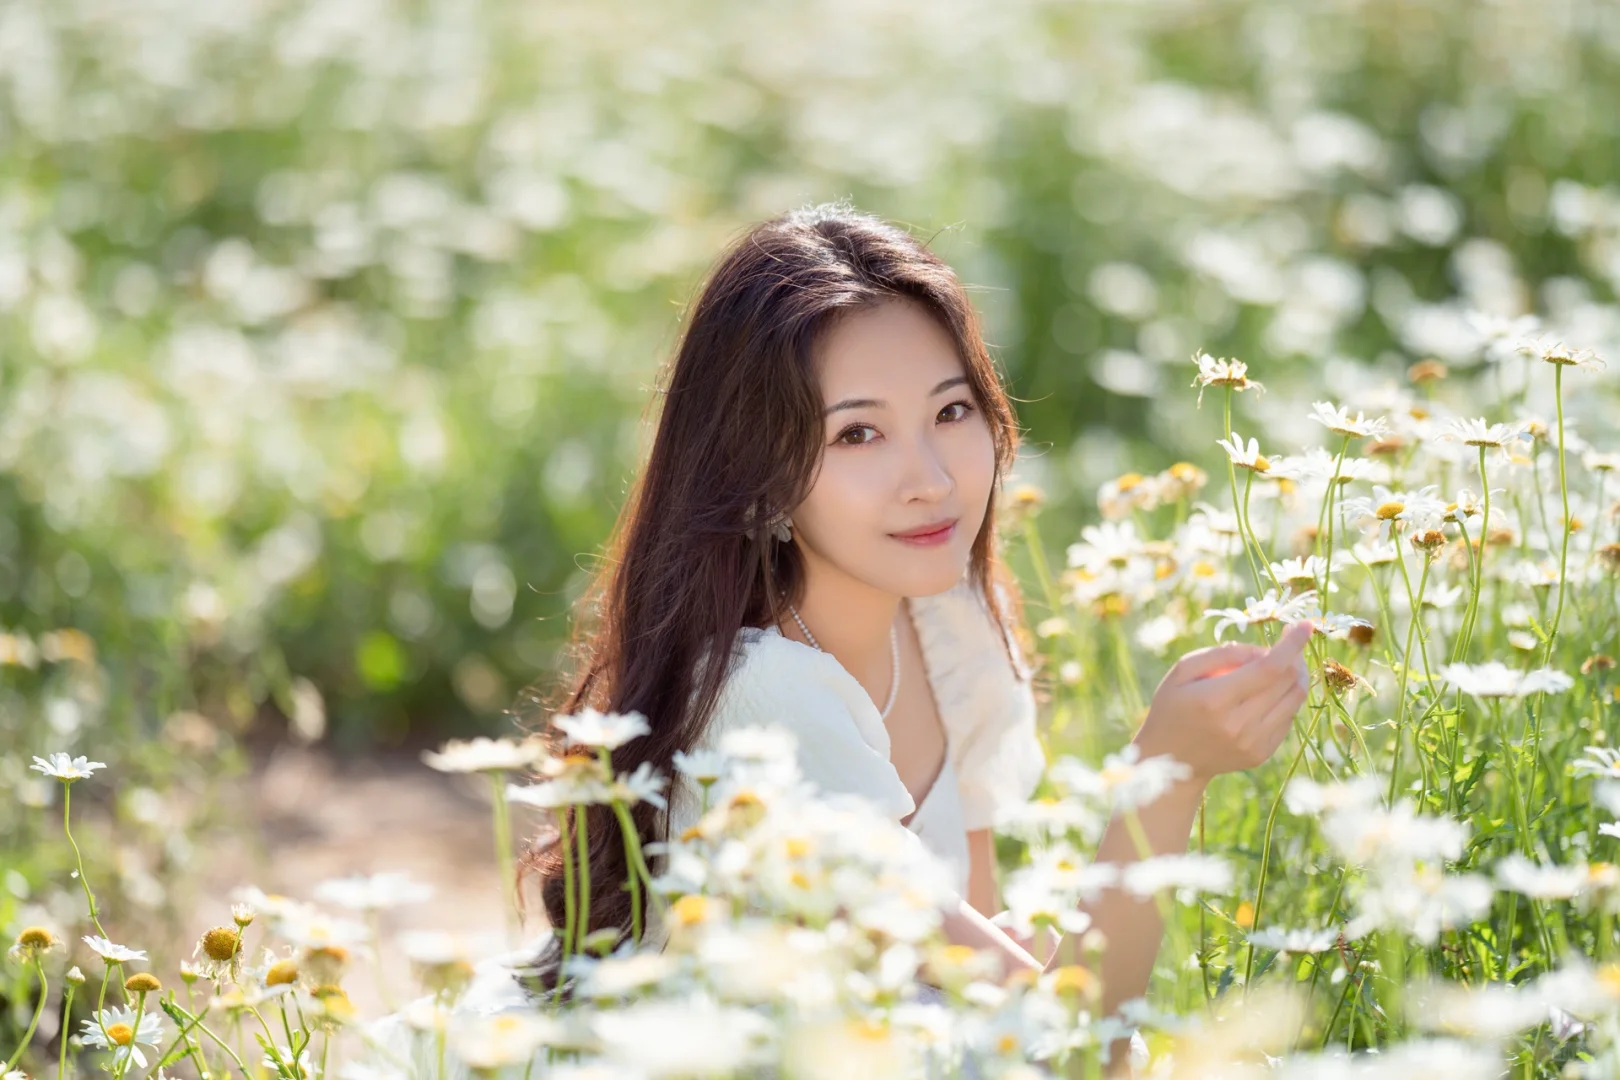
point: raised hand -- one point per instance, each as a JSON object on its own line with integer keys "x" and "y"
{"x": 1228, "y": 708}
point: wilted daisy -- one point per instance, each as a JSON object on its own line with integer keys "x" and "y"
{"x": 1212, "y": 371}
{"x": 608, "y": 731}
{"x": 1246, "y": 457}
{"x": 113, "y": 953}
{"x": 484, "y": 755}
{"x": 123, "y": 1031}
{"x": 1337, "y": 419}
{"x": 32, "y": 942}
{"x": 1494, "y": 679}
{"x": 65, "y": 768}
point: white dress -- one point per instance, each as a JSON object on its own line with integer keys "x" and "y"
{"x": 993, "y": 755}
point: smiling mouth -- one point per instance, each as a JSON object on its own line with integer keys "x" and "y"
{"x": 929, "y": 532}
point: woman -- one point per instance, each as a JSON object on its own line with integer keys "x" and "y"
{"x": 818, "y": 507}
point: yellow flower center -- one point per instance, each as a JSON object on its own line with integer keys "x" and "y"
{"x": 1007, "y": 1044}
{"x": 281, "y": 973}
{"x": 1128, "y": 481}
{"x": 122, "y": 1034}
{"x": 1203, "y": 569}
{"x": 799, "y": 879}
{"x": 221, "y": 943}
{"x": 798, "y": 847}
{"x": 36, "y": 937}
{"x": 1389, "y": 511}
{"x": 958, "y": 955}
{"x": 1072, "y": 979}
{"x": 690, "y": 909}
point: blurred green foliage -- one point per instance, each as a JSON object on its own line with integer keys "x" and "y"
{"x": 328, "y": 329}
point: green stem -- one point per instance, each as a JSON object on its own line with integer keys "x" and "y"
{"x": 503, "y": 850}
{"x": 1563, "y": 489}
{"x": 33, "y": 1025}
{"x": 78, "y": 858}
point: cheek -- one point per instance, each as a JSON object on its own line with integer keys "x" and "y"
{"x": 844, "y": 492}
{"x": 974, "y": 466}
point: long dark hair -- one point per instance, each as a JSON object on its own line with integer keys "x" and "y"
{"x": 690, "y": 561}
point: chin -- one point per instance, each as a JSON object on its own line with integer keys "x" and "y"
{"x": 922, "y": 580}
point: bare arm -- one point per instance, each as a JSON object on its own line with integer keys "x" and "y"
{"x": 983, "y": 892}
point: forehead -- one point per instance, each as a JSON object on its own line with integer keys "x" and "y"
{"x": 894, "y": 348}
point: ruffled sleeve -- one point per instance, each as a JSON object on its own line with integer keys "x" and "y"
{"x": 986, "y": 702}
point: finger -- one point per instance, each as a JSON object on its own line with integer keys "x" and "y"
{"x": 1295, "y": 678}
{"x": 1213, "y": 661}
{"x": 1279, "y": 719}
{"x": 1253, "y": 677}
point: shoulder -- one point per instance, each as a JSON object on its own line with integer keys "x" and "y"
{"x": 843, "y": 744}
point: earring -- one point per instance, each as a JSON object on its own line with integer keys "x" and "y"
{"x": 782, "y": 528}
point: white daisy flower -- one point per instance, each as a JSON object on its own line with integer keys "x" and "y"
{"x": 1552, "y": 351}
{"x": 1306, "y": 796}
{"x": 65, "y": 768}
{"x": 1204, "y": 873}
{"x": 1601, "y": 761}
{"x": 1109, "y": 544}
{"x": 484, "y": 755}
{"x": 376, "y": 892}
{"x": 1337, "y": 419}
{"x": 1476, "y": 432}
{"x": 643, "y": 785}
{"x": 1316, "y": 464}
{"x": 1495, "y": 679}
{"x": 1266, "y": 609}
{"x": 123, "y": 1031}
{"x": 1222, "y": 372}
{"x": 1601, "y": 462}
{"x": 588, "y": 727}
{"x": 113, "y": 953}
{"x": 704, "y": 766}
{"x": 1518, "y": 874}
{"x": 490, "y": 1042}
{"x": 1247, "y": 457}
{"x": 1294, "y": 941}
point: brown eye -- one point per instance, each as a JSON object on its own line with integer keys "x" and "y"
{"x": 844, "y": 436}
{"x": 965, "y": 406}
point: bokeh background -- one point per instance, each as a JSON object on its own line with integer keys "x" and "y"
{"x": 328, "y": 328}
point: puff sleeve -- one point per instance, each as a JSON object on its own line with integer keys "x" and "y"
{"x": 986, "y": 702}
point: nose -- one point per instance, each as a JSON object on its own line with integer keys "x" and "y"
{"x": 927, "y": 476}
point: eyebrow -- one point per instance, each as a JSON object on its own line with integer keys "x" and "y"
{"x": 874, "y": 403}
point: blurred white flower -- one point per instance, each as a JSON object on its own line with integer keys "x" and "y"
{"x": 1552, "y": 351}
{"x": 1518, "y": 874}
{"x": 609, "y": 731}
{"x": 484, "y": 754}
{"x": 703, "y": 766}
{"x": 643, "y": 785}
{"x": 1294, "y": 941}
{"x": 378, "y": 892}
{"x": 1495, "y": 679}
{"x": 1476, "y": 432}
{"x": 1203, "y": 873}
{"x": 1337, "y": 419}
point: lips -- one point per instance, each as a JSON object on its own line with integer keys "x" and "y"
{"x": 925, "y": 530}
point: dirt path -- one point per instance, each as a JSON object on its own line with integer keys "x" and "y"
{"x": 315, "y": 817}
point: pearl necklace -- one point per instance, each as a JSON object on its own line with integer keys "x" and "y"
{"x": 894, "y": 659}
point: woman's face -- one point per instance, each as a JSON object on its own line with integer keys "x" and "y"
{"x": 905, "y": 448}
